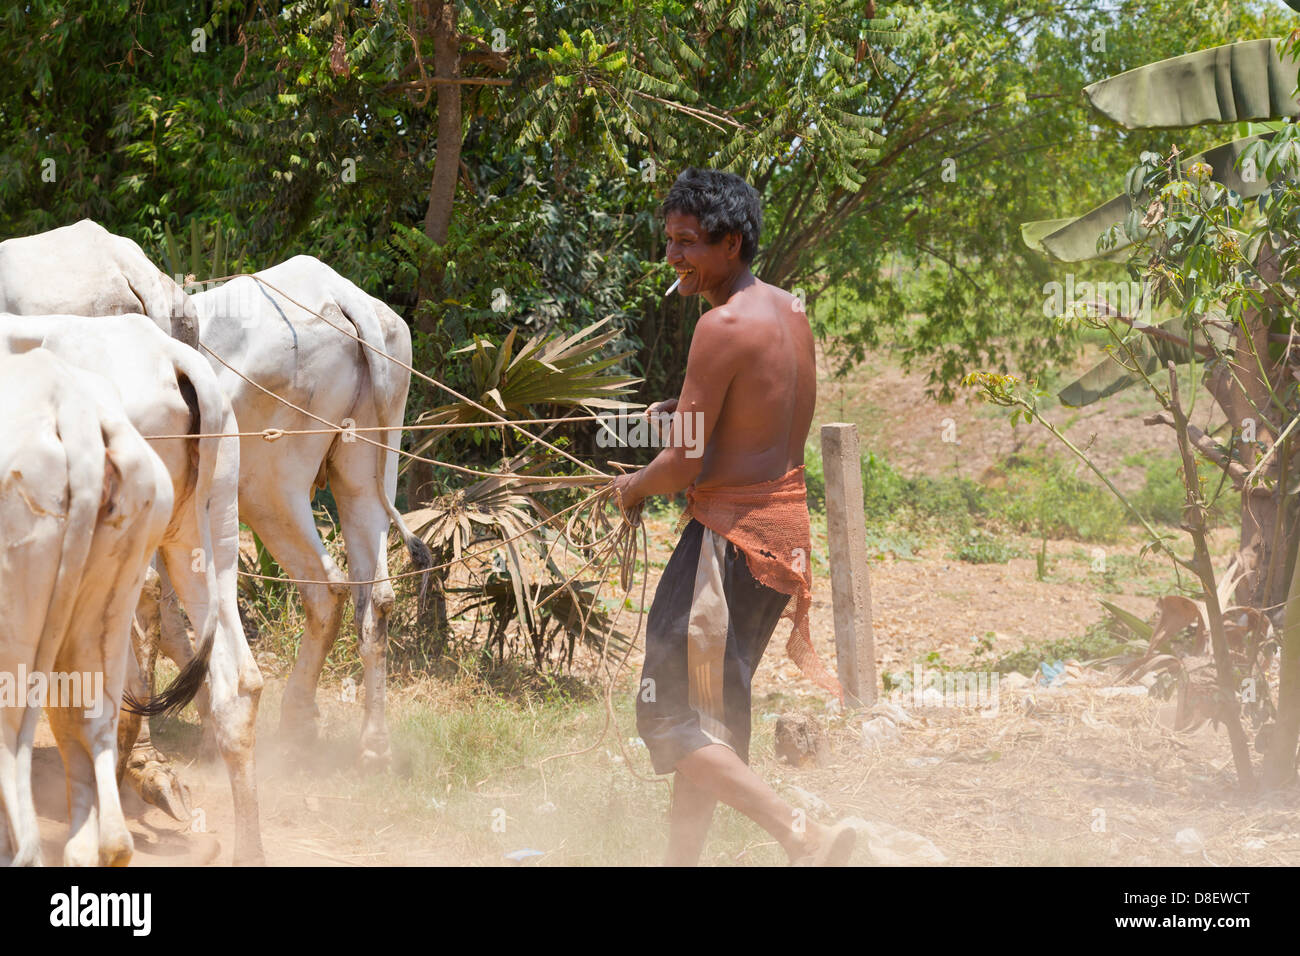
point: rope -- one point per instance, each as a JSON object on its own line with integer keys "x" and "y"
{"x": 414, "y": 371}
{"x": 627, "y": 554}
{"x": 493, "y": 545}
{"x": 333, "y": 427}
{"x": 272, "y": 434}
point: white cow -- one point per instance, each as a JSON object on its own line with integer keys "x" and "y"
{"x": 284, "y": 348}
{"x": 84, "y": 269}
{"x": 84, "y": 502}
{"x": 249, "y": 326}
{"x": 167, "y": 389}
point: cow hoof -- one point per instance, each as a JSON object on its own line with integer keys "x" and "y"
{"x": 299, "y": 722}
{"x": 376, "y": 758}
{"x": 116, "y": 854}
{"x": 157, "y": 784}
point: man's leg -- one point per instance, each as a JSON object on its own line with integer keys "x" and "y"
{"x": 688, "y": 822}
{"x": 716, "y": 770}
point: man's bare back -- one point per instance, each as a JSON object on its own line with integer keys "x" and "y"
{"x": 768, "y": 408}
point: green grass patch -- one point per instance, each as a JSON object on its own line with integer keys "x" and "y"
{"x": 1099, "y": 640}
{"x": 980, "y": 547}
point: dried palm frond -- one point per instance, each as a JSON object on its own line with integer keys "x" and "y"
{"x": 531, "y": 546}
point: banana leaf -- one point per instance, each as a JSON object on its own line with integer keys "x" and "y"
{"x": 1076, "y": 240}
{"x": 1032, "y": 233}
{"x": 1237, "y": 82}
{"x": 1108, "y": 376}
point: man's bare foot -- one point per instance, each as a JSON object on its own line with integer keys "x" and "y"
{"x": 826, "y": 846}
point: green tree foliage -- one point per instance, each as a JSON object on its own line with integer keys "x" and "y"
{"x": 989, "y": 94}
{"x": 312, "y": 127}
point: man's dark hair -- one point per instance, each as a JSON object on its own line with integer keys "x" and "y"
{"x": 722, "y": 202}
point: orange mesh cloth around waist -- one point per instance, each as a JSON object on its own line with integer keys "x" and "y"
{"x": 768, "y": 522}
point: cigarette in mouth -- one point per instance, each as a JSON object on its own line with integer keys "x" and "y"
{"x": 673, "y": 288}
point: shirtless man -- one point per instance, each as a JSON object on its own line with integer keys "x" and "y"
{"x": 751, "y": 387}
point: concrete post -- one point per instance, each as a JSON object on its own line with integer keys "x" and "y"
{"x": 855, "y": 647}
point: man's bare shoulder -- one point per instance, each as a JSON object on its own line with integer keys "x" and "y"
{"x": 760, "y": 301}
{"x": 718, "y": 321}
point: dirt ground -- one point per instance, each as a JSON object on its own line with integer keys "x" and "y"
{"x": 1072, "y": 775}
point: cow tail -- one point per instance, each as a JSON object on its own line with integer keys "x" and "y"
{"x": 185, "y": 686}
{"x": 388, "y": 382}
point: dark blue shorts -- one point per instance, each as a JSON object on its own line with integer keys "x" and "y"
{"x": 708, "y": 627}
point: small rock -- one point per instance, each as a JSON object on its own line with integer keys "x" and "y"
{"x": 800, "y": 740}
{"x": 895, "y": 713}
{"x": 890, "y": 846}
{"x": 1013, "y": 681}
{"x": 923, "y": 761}
{"x": 1189, "y": 841}
{"x": 547, "y": 807}
{"x": 878, "y": 731}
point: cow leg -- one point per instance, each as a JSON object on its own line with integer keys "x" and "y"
{"x": 20, "y": 835}
{"x": 87, "y": 737}
{"x": 365, "y": 531}
{"x": 34, "y": 561}
{"x": 284, "y": 522}
{"x": 235, "y": 687}
{"x": 147, "y": 770}
{"x": 115, "y": 843}
{"x": 82, "y": 848}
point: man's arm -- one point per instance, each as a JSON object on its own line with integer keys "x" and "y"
{"x": 710, "y": 367}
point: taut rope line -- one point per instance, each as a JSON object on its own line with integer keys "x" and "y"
{"x": 414, "y": 371}
{"x": 333, "y": 427}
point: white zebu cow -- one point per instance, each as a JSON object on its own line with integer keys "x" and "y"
{"x": 83, "y": 269}
{"x": 287, "y": 350}
{"x": 108, "y": 275}
{"x": 167, "y": 389}
{"x": 284, "y": 348}
{"x": 84, "y": 502}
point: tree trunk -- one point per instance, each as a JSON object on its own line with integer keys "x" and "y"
{"x": 446, "y": 165}
{"x": 442, "y": 191}
{"x": 1279, "y": 763}
{"x": 1227, "y": 709}
{"x": 1249, "y": 396}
